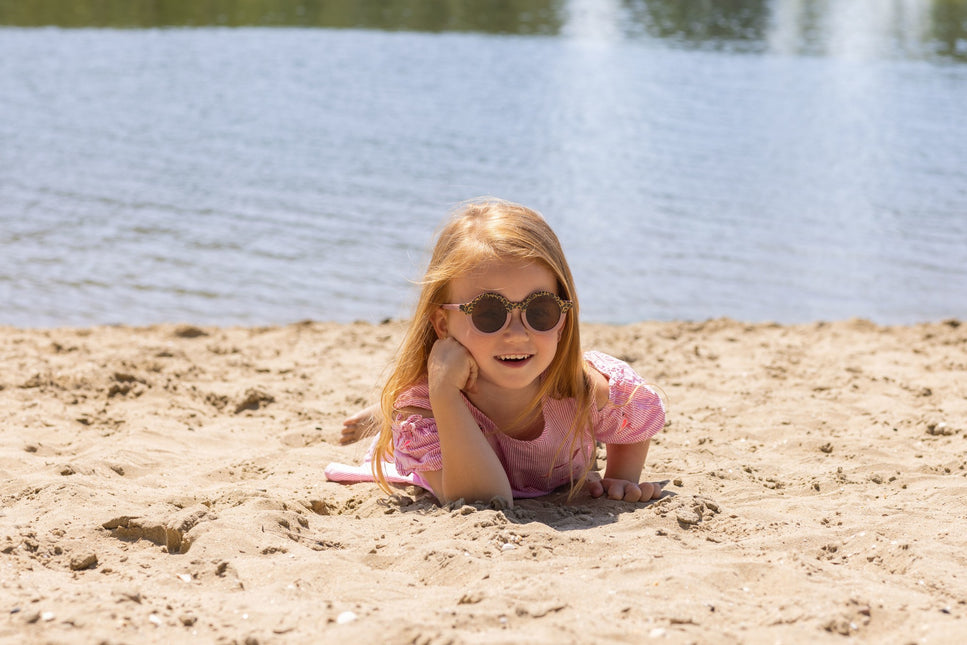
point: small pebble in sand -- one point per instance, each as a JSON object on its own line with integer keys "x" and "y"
{"x": 345, "y": 617}
{"x": 84, "y": 561}
{"x": 940, "y": 429}
{"x": 254, "y": 399}
{"x": 47, "y": 616}
{"x": 688, "y": 516}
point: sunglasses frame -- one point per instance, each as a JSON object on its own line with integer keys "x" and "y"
{"x": 509, "y": 305}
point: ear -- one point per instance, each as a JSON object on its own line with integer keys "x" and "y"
{"x": 439, "y": 321}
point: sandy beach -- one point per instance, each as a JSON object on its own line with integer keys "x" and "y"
{"x": 164, "y": 484}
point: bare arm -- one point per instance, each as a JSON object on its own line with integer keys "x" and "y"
{"x": 625, "y": 461}
{"x": 623, "y": 472}
{"x": 471, "y": 470}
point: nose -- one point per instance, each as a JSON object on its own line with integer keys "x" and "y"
{"x": 516, "y": 322}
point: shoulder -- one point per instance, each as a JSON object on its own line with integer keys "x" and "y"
{"x": 606, "y": 364}
{"x": 629, "y": 411}
{"x": 600, "y": 386}
{"x": 612, "y": 379}
{"x": 415, "y": 398}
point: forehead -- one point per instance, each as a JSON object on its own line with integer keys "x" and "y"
{"x": 514, "y": 279}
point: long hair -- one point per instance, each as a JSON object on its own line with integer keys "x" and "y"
{"x": 476, "y": 232}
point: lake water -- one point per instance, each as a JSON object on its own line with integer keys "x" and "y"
{"x": 771, "y": 160}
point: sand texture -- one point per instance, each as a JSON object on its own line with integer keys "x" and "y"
{"x": 164, "y": 484}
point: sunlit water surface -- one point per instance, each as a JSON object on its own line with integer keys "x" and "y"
{"x": 259, "y": 175}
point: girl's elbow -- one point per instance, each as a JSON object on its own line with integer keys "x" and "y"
{"x": 496, "y": 497}
{"x": 496, "y": 502}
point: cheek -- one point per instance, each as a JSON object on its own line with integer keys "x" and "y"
{"x": 548, "y": 346}
{"x": 472, "y": 341}
{"x": 460, "y": 329}
{"x": 556, "y": 342}
{"x": 553, "y": 343}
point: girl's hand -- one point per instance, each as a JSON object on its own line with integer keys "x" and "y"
{"x": 623, "y": 489}
{"x": 450, "y": 364}
{"x": 362, "y": 424}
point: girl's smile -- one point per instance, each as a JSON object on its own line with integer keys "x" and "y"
{"x": 514, "y": 357}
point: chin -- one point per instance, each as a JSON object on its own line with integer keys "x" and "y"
{"x": 515, "y": 380}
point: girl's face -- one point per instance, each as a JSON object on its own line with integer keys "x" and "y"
{"x": 514, "y": 357}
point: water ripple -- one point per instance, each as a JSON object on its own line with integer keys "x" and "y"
{"x": 254, "y": 176}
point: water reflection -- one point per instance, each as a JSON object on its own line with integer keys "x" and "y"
{"x": 869, "y": 29}
{"x": 918, "y": 29}
{"x": 490, "y": 16}
{"x": 741, "y": 22}
{"x": 260, "y": 175}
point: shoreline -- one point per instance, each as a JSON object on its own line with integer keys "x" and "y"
{"x": 397, "y": 320}
{"x": 164, "y": 482}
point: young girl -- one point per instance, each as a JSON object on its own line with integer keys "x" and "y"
{"x": 491, "y": 395}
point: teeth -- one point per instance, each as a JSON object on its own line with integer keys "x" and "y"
{"x": 514, "y": 357}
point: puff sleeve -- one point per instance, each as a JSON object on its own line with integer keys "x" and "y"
{"x": 416, "y": 444}
{"x": 634, "y": 411}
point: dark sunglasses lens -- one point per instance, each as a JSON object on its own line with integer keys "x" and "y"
{"x": 543, "y": 313}
{"x": 489, "y": 314}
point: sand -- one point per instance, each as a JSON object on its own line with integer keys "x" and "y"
{"x": 164, "y": 484}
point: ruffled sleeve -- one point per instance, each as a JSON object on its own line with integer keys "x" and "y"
{"x": 634, "y": 412}
{"x": 416, "y": 444}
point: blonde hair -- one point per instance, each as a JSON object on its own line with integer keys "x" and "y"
{"x": 479, "y": 231}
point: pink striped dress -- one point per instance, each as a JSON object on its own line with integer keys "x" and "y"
{"x": 633, "y": 413}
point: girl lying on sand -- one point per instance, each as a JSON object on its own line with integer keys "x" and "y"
{"x": 491, "y": 395}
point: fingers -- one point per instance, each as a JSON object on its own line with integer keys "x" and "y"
{"x": 647, "y": 491}
{"x": 619, "y": 489}
{"x": 593, "y": 482}
{"x": 471, "y": 386}
{"x": 359, "y": 425}
{"x": 353, "y": 419}
{"x": 451, "y": 365}
{"x": 349, "y": 435}
{"x": 626, "y": 491}
{"x": 355, "y": 432}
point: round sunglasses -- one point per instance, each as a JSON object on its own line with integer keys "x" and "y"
{"x": 491, "y": 312}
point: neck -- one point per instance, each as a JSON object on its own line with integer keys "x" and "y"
{"x": 508, "y": 409}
